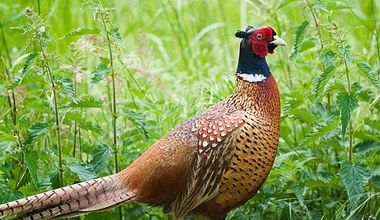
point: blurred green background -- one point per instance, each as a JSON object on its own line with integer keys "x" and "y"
{"x": 171, "y": 61}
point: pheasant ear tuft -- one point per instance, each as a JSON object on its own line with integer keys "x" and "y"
{"x": 245, "y": 34}
{"x": 241, "y": 34}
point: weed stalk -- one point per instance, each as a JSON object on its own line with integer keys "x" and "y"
{"x": 349, "y": 90}
{"x": 113, "y": 105}
{"x": 37, "y": 20}
{"x": 13, "y": 108}
{"x": 56, "y": 113}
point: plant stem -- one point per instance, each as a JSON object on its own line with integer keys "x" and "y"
{"x": 11, "y": 96}
{"x": 320, "y": 37}
{"x": 374, "y": 16}
{"x": 350, "y": 133}
{"x": 80, "y": 144}
{"x": 349, "y": 90}
{"x": 75, "y": 123}
{"x": 348, "y": 78}
{"x": 56, "y": 113}
{"x": 113, "y": 105}
{"x": 378, "y": 48}
{"x": 295, "y": 134}
{"x": 316, "y": 24}
{"x": 351, "y": 142}
{"x": 13, "y": 108}
{"x": 75, "y": 138}
{"x": 39, "y": 7}
{"x": 55, "y": 100}
{"x": 5, "y": 46}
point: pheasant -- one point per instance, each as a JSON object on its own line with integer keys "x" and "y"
{"x": 206, "y": 166}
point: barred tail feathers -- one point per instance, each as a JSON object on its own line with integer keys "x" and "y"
{"x": 93, "y": 195}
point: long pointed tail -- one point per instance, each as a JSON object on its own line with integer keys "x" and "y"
{"x": 93, "y": 195}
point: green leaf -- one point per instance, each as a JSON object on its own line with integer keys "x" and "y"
{"x": 29, "y": 60}
{"x": 45, "y": 39}
{"x": 367, "y": 146}
{"x": 355, "y": 177}
{"x": 369, "y": 96}
{"x": 303, "y": 115}
{"x": 375, "y": 180}
{"x": 80, "y": 118}
{"x": 319, "y": 131}
{"x": 368, "y": 72}
{"x": 37, "y": 103}
{"x": 67, "y": 85}
{"x": 99, "y": 73}
{"x": 346, "y": 104}
{"x": 324, "y": 78}
{"x": 87, "y": 101}
{"x": 4, "y": 137}
{"x": 114, "y": 32}
{"x": 373, "y": 123}
{"x": 81, "y": 31}
{"x": 54, "y": 179}
{"x": 328, "y": 58}
{"x": 100, "y": 156}
{"x": 10, "y": 196}
{"x": 300, "y": 35}
{"x": 294, "y": 99}
{"x": 345, "y": 51}
{"x": 31, "y": 160}
{"x": 35, "y": 130}
{"x": 367, "y": 135}
{"x": 84, "y": 172}
{"x": 138, "y": 119}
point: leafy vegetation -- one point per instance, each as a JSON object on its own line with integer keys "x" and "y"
{"x": 86, "y": 87}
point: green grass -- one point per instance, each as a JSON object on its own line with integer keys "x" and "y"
{"x": 171, "y": 61}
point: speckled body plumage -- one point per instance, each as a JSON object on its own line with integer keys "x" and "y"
{"x": 255, "y": 147}
{"x": 233, "y": 145}
{"x": 206, "y": 166}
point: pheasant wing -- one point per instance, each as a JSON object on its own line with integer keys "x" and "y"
{"x": 216, "y": 139}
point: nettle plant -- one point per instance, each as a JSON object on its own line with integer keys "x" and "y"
{"x": 47, "y": 137}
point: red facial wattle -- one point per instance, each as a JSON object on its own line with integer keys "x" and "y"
{"x": 260, "y": 48}
{"x": 259, "y": 41}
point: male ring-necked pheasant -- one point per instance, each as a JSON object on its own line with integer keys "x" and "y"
{"x": 206, "y": 166}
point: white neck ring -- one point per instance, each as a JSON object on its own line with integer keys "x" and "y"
{"x": 252, "y": 77}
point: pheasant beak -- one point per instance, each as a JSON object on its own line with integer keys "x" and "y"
{"x": 278, "y": 41}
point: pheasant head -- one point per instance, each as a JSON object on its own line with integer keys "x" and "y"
{"x": 261, "y": 40}
{"x": 255, "y": 45}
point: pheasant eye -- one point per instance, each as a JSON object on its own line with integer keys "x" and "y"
{"x": 259, "y": 36}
